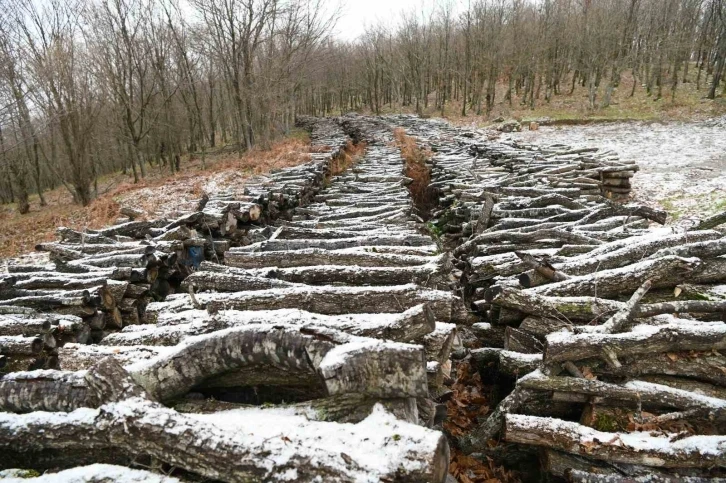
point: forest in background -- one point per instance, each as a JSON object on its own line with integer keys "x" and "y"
{"x": 91, "y": 87}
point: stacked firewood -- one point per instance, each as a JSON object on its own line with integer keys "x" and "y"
{"x": 608, "y": 334}
{"x": 309, "y": 345}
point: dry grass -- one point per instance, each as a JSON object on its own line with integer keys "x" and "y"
{"x": 416, "y": 169}
{"x": 347, "y": 157}
{"x": 157, "y": 194}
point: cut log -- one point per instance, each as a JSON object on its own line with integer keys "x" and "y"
{"x": 617, "y": 254}
{"x": 340, "y": 243}
{"x": 365, "y": 366}
{"x": 564, "y": 346}
{"x": 27, "y": 325}
{"x": 318, "y": 256}
{"x": 519, "y": 341}
{"x": 229, "y": 282}
{"x": 18, "y": 345}
{"x": 663, "y": 272}
{"x": 636, "y": 449}
{"x": 79, "y": 357}
{"x": 712, "y": 221}
{"x": 560, "y": 308}
{"x": 348, "y": 408}
{"x": 705, "y": 367}
{"x": 73, "y": 236}
{"x": 45, "y": 390}
{"x": 433, "y": 274}
{"x": 520, "y": 237}
{"x": 438, "y": 343}
{"x": 220, "y": 447}
{"x": 94, "y": 473}
{"x": 61, "y": 303}
{"x": 327, "y": 300}
{"x": 410, "y": 325}
{"x": 482, "y": 221}
{"x": 542, "y": 268}
{"x": 636, "y": 392}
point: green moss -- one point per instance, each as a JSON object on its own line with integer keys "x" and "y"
{"x": 396, "y": 437}
{"x": 24, "y": 474}
{"x": 606, "y": 422}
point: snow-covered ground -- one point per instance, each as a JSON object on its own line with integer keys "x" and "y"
{"x": 683, "y": 165}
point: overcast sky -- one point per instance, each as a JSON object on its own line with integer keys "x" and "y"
{"x": 356, "y": 14}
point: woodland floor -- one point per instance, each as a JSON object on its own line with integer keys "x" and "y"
{"x": 159, "y": 193}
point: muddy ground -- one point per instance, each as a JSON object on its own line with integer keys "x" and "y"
{"x": 683, "y": 165}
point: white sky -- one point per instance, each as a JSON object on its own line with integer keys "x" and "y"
{"x": 357, "y": 14}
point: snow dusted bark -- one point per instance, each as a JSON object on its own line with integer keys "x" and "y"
{"x": 432, "y": 274}
{"x": 564, "y": 346}
{"x": 629, "y": 448}
{"x": 20, "y": 324}
{"x": 712, "y": 221}
{"x": 240, "y": 446}
{"x": 650, "y": 395}
{"x": 692, "y": 244}
{"x": 706, "y": 367}
{"x": 410, "y": 325}
{"x": 18, "y": 345}
{"x": 583, "y": 476}
{"x": 230, "y": 282}
{"x": 46, "y": 390}
{"x": 663, "y": 272}
{"x": 346, "y": 364}
{"x": 319, "y": 256}
{"x": 328, "y": 300}
{"x": 525, "y": 237}
{"x": 570, "y": 308}
{"x": 339, "y": 243}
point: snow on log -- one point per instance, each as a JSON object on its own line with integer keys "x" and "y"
{"x": 340, "y": 243}
{"x": 431, "y": 274}
{"x": 242, "y": 445}
{"x": 410, "y": 325}
{"x": 319, "y": 256}
{"x": 649, "y": 394}
{"x": 96, "y": 473}
{"x": 328, "y": 300}
{"x": 664, "y": 272}
{"x": 346, "y": 363}
{"x": 629, "y": 448}
{"x": 643, "y": 339}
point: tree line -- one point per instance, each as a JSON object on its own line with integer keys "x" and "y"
{"x": 538, "y": 48}
{"x": 89, "y": 87}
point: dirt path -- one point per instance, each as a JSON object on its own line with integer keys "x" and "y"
{"x": 683, "y": 165}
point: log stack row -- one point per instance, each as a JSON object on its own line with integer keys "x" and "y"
{"x": 604, "y": 334}
{"x": 312, "y": 348}
{"x": 98, "y": 281}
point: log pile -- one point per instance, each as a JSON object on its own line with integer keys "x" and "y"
{"x": 299, "y": 330}
{"x": 605, "y": 333}
{"x": 306, "y": 326}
